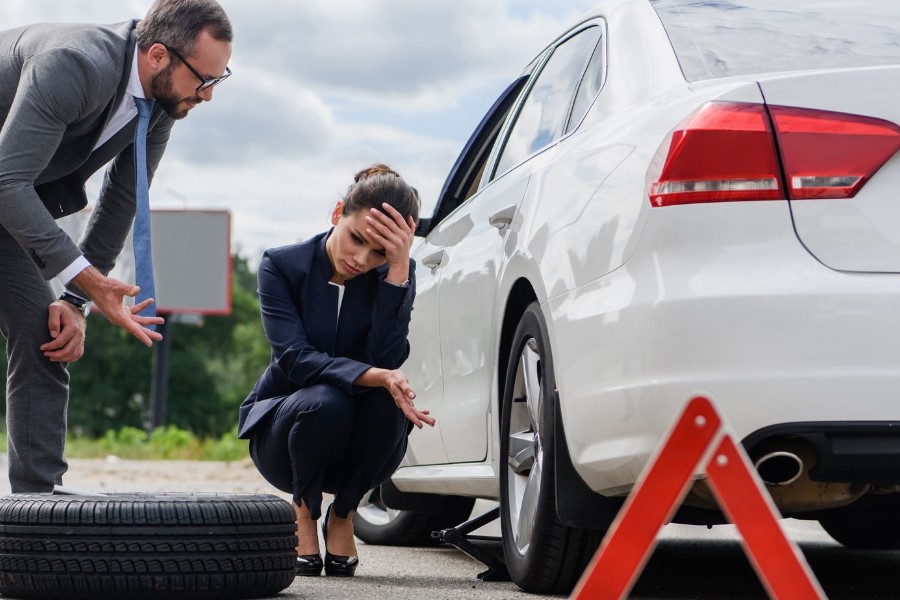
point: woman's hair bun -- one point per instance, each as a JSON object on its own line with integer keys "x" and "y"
{"x": 375, "y": 186}
{"x": 379, "y": 169}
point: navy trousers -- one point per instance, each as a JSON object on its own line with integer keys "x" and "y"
{"x": 320, "y": 439}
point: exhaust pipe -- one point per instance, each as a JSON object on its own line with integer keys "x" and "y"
{"x": 779, "y": 468}
{"x": 784, "y": 464}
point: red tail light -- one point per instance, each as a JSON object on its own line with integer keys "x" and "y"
{"x": 723, "y": 152}
{"x": 829, "y": 154}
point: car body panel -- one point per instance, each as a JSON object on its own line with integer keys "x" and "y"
{"x": 423, "y": 367}
{"x": 469, "y": 297}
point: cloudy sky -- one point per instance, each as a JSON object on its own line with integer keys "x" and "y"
{"x": 322, "y": 88}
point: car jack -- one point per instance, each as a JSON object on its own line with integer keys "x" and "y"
{"x": 459, "y": 537}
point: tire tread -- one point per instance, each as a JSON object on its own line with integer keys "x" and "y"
{"x": 141, "y": 546}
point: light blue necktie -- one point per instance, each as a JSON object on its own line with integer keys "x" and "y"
{"x": 143, "y": 255}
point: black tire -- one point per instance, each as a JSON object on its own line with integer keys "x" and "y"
{"x": 137, "y": 546}
{"x": 375, "y": 523}
{"x": 542, "y": 553}
{"x": 870, "y": 534}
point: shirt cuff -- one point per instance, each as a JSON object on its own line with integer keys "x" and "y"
{"x": 69, "y": 273}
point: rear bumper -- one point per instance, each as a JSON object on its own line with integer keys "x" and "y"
{"x": 721, "y": 301}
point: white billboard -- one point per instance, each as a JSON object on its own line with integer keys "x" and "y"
{"x": 191, "y": 259}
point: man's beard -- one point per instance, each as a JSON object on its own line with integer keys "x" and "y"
{"x": 161, "y": 87}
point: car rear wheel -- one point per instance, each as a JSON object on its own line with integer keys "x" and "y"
{"x": 542, "y": 553}
{"x": 376, "y": 523}
{"x": 874, "y": 534}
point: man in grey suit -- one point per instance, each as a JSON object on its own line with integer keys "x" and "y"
{"x": 68, "y": 97}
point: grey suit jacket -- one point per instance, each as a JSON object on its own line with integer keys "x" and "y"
{"x": 59, "y": 84}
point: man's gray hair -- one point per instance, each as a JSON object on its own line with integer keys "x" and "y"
{"x": 177, "y": 23}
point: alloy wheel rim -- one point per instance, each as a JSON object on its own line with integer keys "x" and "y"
{"x": 525, "y": 454}
{"x": 373, "y": 510}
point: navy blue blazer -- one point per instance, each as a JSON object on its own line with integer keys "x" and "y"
{"x": 310, "y": 345}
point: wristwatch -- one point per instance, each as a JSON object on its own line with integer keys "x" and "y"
{"x": 84, "y": 306}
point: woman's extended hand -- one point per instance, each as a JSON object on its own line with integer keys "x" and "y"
{"x": 396, "y": 383}
{"x": 395, "y": 234}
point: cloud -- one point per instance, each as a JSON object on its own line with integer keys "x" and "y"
{"x": 324, "y": 88}
{"x": 263, "y": 116}
{"x": 398, "y": 53}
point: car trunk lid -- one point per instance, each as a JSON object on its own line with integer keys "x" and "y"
{"x": 838, "y": 133}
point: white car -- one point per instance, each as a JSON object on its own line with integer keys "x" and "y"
{"x": 675, "y": 197}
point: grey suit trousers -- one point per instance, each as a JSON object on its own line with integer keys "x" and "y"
{"x": 37, "y": 390}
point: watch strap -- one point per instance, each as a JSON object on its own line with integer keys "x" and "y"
{"x": 78, "y": 302}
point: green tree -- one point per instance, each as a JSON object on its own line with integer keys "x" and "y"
{"x": 232, "y": 351}
{"x": 211, "y": 369}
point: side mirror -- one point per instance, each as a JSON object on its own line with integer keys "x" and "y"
{"x": 423, "y": 227}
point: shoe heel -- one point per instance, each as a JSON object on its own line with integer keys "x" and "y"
{"x": 334, "y": 565}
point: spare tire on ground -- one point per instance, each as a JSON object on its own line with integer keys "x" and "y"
{"x": 137, "y": 546}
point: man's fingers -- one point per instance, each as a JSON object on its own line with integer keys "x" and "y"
{"x": 70, "y": 350}
{"x": 56, "y": 343}
{"x": 136, "y": 308}
{"x": 138, "y": 332}
{"x": 144, "y": 335}
{"x": 54, "y": 323}
{"x": 148, "y": 320}
{"x": 67, "y": 354}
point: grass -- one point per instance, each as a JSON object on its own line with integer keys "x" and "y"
{"x": 162, "y": 443}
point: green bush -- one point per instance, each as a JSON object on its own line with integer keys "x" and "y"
{"x": 161, "y": 444}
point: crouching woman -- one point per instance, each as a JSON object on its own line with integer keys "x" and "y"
{"x": 332, "y": 411}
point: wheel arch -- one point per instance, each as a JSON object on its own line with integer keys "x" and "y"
{"x": 580, "y": 506}
{"x": 521, "y": 295}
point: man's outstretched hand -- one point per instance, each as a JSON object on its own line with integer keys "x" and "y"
{"x": 109, "y": 295}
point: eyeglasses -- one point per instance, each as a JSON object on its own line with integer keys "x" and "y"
{"x": 204, "y": 82}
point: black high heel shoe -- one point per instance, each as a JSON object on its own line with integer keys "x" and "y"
{"x": 335, "y": 565}
{"x": 308, "y": 565}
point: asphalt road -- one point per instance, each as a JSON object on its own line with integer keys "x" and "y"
{"x": 689, "y": 563}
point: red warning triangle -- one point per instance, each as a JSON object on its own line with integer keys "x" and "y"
{"x": 698, "y": 440}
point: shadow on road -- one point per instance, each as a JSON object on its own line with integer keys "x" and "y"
{"x": 694, "y": 569}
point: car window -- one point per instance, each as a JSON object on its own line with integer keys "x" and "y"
{"x": 542, "y": 118}
{"x": 589, "y": 87}
{"x": 464, "y": 177}
{"x": 746, "y": 37}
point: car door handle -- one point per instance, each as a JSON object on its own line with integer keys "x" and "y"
{"x": 502, "y": 217}
{"x": 434, "y": 260}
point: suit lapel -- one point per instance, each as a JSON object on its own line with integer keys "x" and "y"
{"x": 322, "y": 326}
